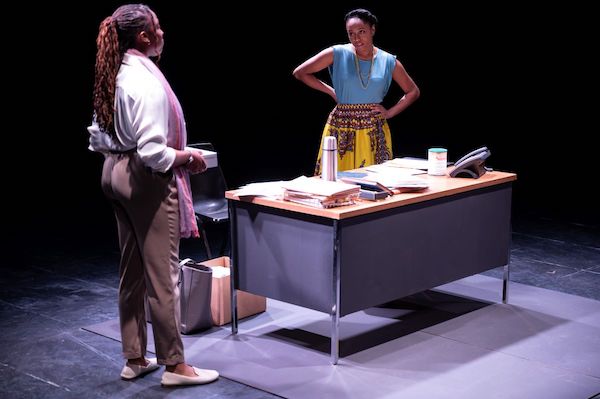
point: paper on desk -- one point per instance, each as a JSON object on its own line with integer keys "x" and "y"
{"x": 388, "y": 168}
{"x": 320, "y": 193}
{"x": 273, "y": 189}
{"x": 321, "y": 187}
{"x": 393, "y": 178}
{"x": 395, "y": 181}
{"x": 320, "y": 201}
{"x": 411, "y": 163}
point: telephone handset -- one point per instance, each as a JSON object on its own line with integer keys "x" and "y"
{"x": 472, "y": 164}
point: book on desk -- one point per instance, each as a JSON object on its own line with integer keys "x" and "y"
{"x": 388, "y": 182}
{"x": 320, "y": 193}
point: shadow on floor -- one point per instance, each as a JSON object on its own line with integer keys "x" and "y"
{"x": 62, "y": 282}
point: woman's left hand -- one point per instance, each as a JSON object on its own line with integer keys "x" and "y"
{"x": 198, "y": 165}
{"x": 380, "y": 109}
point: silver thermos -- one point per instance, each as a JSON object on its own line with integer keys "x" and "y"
{"x": 329, "y": 159}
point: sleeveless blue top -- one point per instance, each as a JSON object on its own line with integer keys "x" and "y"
{"x": 344, "y": 76}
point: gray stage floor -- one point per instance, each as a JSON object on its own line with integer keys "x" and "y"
{"x": 441, "y": 343}
{"x": 47, "y": 297}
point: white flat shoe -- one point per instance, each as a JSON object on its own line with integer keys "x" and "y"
{"x": 131, "y": 371}
{"x": 203, "y": 376}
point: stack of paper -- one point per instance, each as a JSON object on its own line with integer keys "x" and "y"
{"x": 367, "y": 183}
{"x": 387, "y": 167}
{"x": 210, "y": 157}
{"x": 392, "y": 181}
{"x": 389, "y": 181}
{"x": 271, "y": 189}
{"x": 410, "y": 163}
{"x": 320, "y": 193}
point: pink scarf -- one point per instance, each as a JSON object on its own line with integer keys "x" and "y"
{"x": 176, "y": 138}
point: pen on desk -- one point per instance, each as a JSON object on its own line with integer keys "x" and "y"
{"x": 384, "y": 188}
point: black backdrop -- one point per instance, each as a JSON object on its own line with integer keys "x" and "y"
{"x": 514, "y": 79}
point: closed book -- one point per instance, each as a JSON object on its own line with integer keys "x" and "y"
{"x": 210, "y": 157}
{"x": 317, "y": 186}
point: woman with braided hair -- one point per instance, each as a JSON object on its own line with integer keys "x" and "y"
{"x": 139, "y": 127}
{"x": 361, "y": 75}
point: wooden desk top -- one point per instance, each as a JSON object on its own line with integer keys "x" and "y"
{"x": 439, "y": 186}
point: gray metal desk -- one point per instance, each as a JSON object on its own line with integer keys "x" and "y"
{"x": 346, "y": 259}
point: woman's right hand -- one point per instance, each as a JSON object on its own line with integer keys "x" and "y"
{"x": 197, "y": 164}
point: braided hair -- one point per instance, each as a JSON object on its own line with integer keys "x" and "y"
{"x": 116, "y": 35}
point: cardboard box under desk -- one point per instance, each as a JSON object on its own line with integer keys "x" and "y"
{"x": 220, "y": 300}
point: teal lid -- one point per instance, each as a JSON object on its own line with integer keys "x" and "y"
{"x": 438, "y": 150}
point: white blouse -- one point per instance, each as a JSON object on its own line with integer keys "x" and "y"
{"x": 141, "y": 117}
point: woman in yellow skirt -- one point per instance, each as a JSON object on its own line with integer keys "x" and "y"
{"x": 361, "y": 75}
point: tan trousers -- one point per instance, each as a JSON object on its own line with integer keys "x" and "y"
{"x": 147, "y": 213}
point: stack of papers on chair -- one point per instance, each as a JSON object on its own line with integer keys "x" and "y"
{"x": 320, "y": 193}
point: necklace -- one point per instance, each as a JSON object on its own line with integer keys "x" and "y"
{"x": 360, "y": 78}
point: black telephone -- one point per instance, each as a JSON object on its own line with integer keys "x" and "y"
{"x": 472, "y": 164}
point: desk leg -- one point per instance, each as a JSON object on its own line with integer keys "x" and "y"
{"x": 233, "y": 268}
{"x": 335, "y": 308}
{"x": 506, "y": 276}
{"x": 505, "y": 281}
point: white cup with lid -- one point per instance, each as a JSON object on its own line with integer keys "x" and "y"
{"x": 437, "y": 160}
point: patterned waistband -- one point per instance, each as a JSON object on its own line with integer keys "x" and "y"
{"x": 354, "y": 116}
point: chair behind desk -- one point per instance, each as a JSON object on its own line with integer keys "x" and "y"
{"x": 208, "y": 195}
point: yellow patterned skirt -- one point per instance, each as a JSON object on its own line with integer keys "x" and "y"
{"x": 363, "y": 138}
